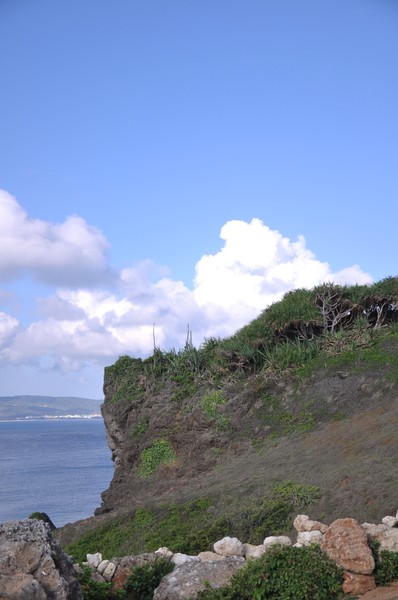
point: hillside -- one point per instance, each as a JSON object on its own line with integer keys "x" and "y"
{"x": 21, "y": 407}
{"x": 297, "y": 409}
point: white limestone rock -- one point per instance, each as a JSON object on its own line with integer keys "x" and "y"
{"x": 102, "y": 566}
{"x": 272, "y": 540}
{"x": 251, "y": 551}
{"x": 93, "y": 560}
{"x": 179, "y": 558}
{"x": 306, "y": 538}
{"x": 390, "y": 521}
{"x": 165, "y": 552}
{"x": 229, "y": 546}
{"x": 109, "y": 572}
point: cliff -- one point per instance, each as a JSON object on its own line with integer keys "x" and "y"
{"x": 305, "y": 396}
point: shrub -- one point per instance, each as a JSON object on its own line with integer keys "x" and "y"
{"x": 286, "y": 573}
{"x": 160, "y": 453}
{"x": 144, "y": 579}
{"x": 95, "y": 590}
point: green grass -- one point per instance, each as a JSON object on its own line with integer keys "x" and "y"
{"x": 192, "y": 527}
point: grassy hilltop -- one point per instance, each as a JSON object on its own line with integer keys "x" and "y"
{"x": 295, "y": 411}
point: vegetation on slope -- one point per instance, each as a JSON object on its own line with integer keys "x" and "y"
{"x": 303, "y": 326}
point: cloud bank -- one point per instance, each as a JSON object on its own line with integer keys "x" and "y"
{"x": 69, "y": 253}
{"x": 91, "y": 318}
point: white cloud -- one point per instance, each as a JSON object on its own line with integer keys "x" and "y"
{"x": 71, "y": 253}
{"x": 254, "y": 268}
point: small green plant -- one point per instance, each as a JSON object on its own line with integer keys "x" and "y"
{"x": 140, "y": 428}
{"x": 386, "y": 561}
{"x": 210, "y": 406}
{"x": 95, "y": 590}
{"x": 160, "y": 453}
{"x": 285, "y": 573}
{"x": 144, "y": 579}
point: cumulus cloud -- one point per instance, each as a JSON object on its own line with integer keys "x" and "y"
{"x": 71, "y": 253}
{"x": 254, "y": 267}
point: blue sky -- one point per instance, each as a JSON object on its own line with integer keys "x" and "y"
{"x": 184, "y": 161}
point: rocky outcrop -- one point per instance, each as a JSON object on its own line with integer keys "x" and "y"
{"x": 345, "y": 541}
{"x": 33, "y": 566}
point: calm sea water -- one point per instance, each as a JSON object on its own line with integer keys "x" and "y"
{"x": 55, "y": 466}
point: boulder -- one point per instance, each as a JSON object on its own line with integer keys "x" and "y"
{"x": 191, "y": 577}
{"x": 229, "y": 546}
{"x": 33, "y": 565}
{"x": 346, "y": 543}
{"x": 125, "y": 564}
{"x": 358, "y": 584}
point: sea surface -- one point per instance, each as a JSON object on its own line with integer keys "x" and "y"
{"x": 59, "y": 467}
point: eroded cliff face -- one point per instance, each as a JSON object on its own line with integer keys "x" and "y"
{"x": 335, "y": 430}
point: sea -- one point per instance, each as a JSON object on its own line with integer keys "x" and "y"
{"x": 56, "y": 466}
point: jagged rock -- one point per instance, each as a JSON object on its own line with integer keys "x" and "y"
{"x": 251, "y": 551}
{"x": 304, "y": 523}
{"x": 93, "y": 560}
{"x": 33, "y": 566}
{"x": 306, "y": 538}
{"x": 346, "y": 543}
{"x": 188, "y": 579}
{"x": 387, "y": 536}
{"x": 229, "y": 546}
{"x": 272, "y": 540}
{"x": 179, "y": 558}
{"x": 354, "y": 583}
{"x": 210, "y": 556}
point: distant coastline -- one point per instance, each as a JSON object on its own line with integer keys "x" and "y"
{"x": 28, "y": 408}
{"x": 49, "y": 418}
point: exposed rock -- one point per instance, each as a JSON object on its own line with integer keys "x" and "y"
{"x": 33, "y": 566}
{"x": 346, "y": 543}
{"x": 125, "y": 564}
{"x": 179, "y": 558}
{"x": 229, "y": 546}
{"x": 188, "y": 579}
{"x": 210, "y": 556}
{"x": 303, "y": 523}
{"x": 354, "y": 583}
{"x": 390, "y": 521}
{"x": 273, "y": 540}
{"x": 109, "y": 571}
{"x": 102, "y": 566}
{"x": 93, "y": 560}
{"x": 306, "y": 538}
{"x": 165, "y": 552}
{"x": 387, "y": 536}
{"x": 250, "y": 551}
{"x": 383, "y": 593}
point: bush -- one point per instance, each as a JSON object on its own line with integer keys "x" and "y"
{"x": 144, "y": 579}
{"x": 94, "y": 590}
{"x": 286, "y": 573}
{"x": 160, "y": 453}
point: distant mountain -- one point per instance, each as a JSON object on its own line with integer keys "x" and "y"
{"x": 39, "y": 407}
